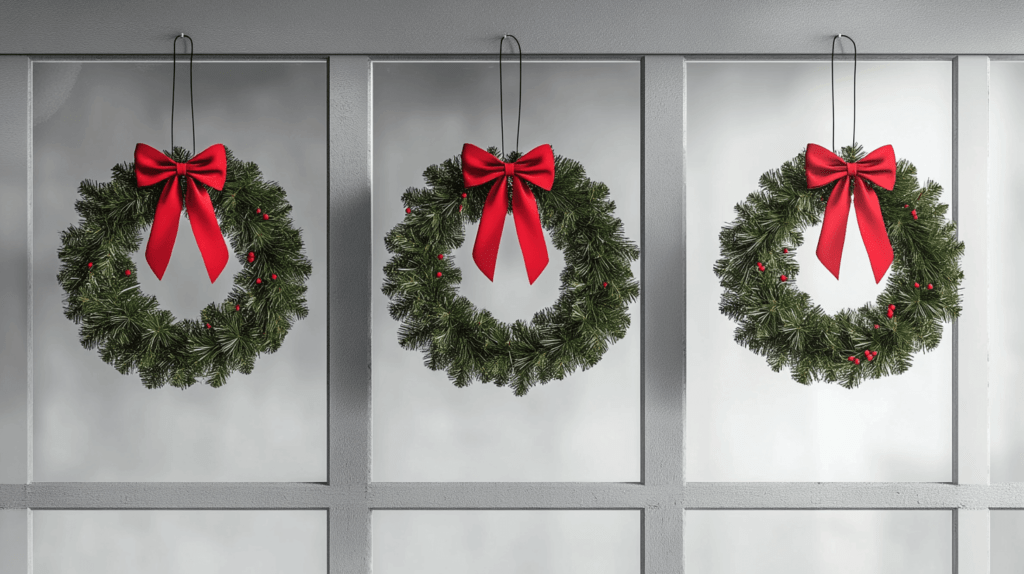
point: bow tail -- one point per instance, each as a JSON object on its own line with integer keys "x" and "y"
{"x": 492, "y": 222}
{"x": 206, "y": 230}
{"x": 872, "y": 228}
{"x": 833, "y": 226}
{"x": 165, "y": 228}
{"x": 529, "y": 230}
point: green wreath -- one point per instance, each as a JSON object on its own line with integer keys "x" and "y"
{"x": 775, "y": 319}
{"x": 128, "y": 327}
{"x": 422, "y": 281}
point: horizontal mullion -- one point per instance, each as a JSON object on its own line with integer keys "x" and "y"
{"x": 516, "y": 495}
{"x": 695, "y": 495}
{"x": 509, "y": 496}
{"x": 177, "y": 495}
{"x": 851, "y": 495}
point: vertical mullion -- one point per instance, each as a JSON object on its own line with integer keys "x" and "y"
{"x": 971, "y": 424}
{"x": 15, "y": 419}
{"x": 15, "y": 391}
{"x": 663, "y": 305}
{"x": 349, "y": 233}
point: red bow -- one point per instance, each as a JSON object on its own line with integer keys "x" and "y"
{"x": 536, "y": 167}
{"x": 208, "y": 168}
{"x": 879, "y": 168}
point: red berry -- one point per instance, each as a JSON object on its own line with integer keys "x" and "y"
{"x": 128, "y": 272}
{"x": 251, "y": 255}
{"x": 856, "y": 361}
{"x": 784, "y": 250}
{"x": 90, "y": 265}
{"x": 871, "y": 357}
{"x": 782, "y": 278}
{"x": 930, "y": 286}
{"x": 876, "y": 325}
{"x": 463, "y": 195}
{"x": 889, "y": 314}
{"x": 892, "y": 307}
{"x": 258, "y": 281}
{"x": 605, "y": 284}
{"x": 238, "y": 307}
{"x": 916, "y": 285}
{"x": 258, "y": 210}
{"x": 915, "y": 216}
{"x": 265, "y": 217}
{"x": 408, "y": 210}
{"x": 207, "y": 325}
{"x": 867, "y": 351}
{"x": 438, "y": 273}
{"x": 460, "y": 207}
{"x": 906, "y": 205}
{"x": 852, "y": 358}
{"x": 440, "y": 255}
{"x": 274, "y": 277}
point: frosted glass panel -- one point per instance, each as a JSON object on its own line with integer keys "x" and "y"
{"x": 1007, "y": 532}
{"x": 815, "y": 541}
{"x": 586, "y": 427}
{"x": 93, "y": 424}
{"x": 178, "y": 541}
{"x": 745, "y": 422}
{"x": 506, "y": 541}
{"x": 1005, "y": 235}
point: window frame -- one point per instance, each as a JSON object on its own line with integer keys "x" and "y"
{"x": 662, "y": 496}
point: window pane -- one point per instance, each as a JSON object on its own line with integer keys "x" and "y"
{"x": 814, "y": 541}
{"x": 1006, "y": 365}
{"x": 173, "y": 541}
{"x": 586, "y": 427}
{"x": 93, "y": 424}
{"x": 1007, "y": 532}
{"x": 745, "y": 422}
{"x": 506, "y": 541}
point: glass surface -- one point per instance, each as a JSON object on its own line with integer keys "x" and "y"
{"x": 1007, "y": 533}
{"x": 179, "y": 541}
{"x": 583, "y": 428}
{"x": 506, "y": 541}
{"x": 744, "y": 421}
{"x": 1005, "y": 234}
{"x": 816, "y": 541}
{"x": 93, "y": 424}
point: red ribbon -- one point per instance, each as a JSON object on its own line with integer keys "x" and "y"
{"x": 208, "y": 168}
{"x": 536, "y": 167}
{"x": 879, "y": 168}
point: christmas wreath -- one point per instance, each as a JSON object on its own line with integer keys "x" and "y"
{"x": 422, "y": 279}
{"x": 128, "y": 327}
{"x": 758, "y": 271}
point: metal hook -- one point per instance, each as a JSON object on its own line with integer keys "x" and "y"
{"x": 174, "y": 77}
{"x": 833, "y": 72}
{"x": 501, "y": 93}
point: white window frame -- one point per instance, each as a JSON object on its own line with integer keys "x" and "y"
{"x": 662, "y": 496}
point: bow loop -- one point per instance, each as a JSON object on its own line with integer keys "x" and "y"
{"x": 209, "y": 168}
{"x": 536, "y": 167}
{"x": 879, "y": 168}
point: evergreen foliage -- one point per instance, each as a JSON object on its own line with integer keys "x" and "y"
{"x": 128, "y": 327}
{"x": 469, "y": 343}
{"x": 776, "y": 320}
